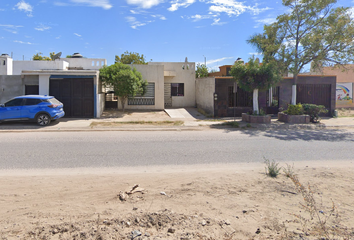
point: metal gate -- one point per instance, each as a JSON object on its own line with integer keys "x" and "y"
{"x": 319, "y": 94}
{"x": 167, "y": 94}
{"x": 77, "y": 95}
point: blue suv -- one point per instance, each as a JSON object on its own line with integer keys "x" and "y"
{"x": 40, "y": 108}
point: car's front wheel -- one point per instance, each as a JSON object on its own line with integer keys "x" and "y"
{"x": 43, "y": 119}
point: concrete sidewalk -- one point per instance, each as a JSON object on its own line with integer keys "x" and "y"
{"x": 168, "y": 120}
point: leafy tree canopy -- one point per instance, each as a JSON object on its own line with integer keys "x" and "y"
{"x": 39, "y": 57}
{"x": 202, "y": 71}
{"x": 130, "y": 58}
{"x": 254, "y": 75}
{"x": 125, "y": 81}
{"x": 311, "y": 31}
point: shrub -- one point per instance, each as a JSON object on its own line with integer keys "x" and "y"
{"x": 272, "y": 168}
{"x": 314, "y": 111}
{"x": 295, "y": 109}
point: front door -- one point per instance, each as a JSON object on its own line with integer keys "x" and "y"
{"x": 167, "y": 94}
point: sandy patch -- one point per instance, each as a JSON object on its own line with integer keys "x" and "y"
{"x": 236, "y": 201}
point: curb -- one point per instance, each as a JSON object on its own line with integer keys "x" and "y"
{"x": 187, "y": 128}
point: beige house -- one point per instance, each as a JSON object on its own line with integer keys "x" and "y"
{"x": 170, "y": 85}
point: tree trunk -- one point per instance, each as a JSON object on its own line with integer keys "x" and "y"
{"x": 293, "y": 90}
{"x": 122, "y": 101}
{"x": 255, "y": 101}
{"x": 270, "y": 102}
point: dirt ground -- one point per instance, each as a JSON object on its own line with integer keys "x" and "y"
{"x": 234, "y": 201}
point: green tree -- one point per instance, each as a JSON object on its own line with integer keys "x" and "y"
{"x": 255, "y": 76}
{"x": 201, "y": 71}
{"x": 125, "y": 81}
{"x": 311, "y": 31}
{"x": 130, "y": 58}
{"x": 39, "y": 57}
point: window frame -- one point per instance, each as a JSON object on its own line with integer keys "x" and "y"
{"x": 179, "y": 90}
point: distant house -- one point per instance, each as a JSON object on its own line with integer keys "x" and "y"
{"x": 219, "y": 96}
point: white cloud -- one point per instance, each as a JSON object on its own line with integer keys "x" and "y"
{"x": 255, "y": 54}
{"x": 265, "y": 21}
{"x": 26, "y": 7}
{"x": 42, "y": 27}
{"x": 10, "y": 28}
{"x": 161, "y": 17}
{"x": 233, "y": 7}
{"x": 145, "y": 3}
{"x": 134, "y": 23}
{"x": 23, "y": 42}
{"x": 217, "y": 22}
{"x": 1, "y": 10}
{"x": 95, "y": 3}
{"x": 76, "y": 34}
{"x": 218, "y": 60}
{"x": 180, "y": 3}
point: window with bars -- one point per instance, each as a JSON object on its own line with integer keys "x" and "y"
{"x": 147, "y": 99}
{"x": 177, "y": 89}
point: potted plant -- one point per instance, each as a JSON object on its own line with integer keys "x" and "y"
{"x": 294, "y": 114}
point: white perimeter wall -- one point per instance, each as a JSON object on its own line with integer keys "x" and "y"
{"x": 86, "y": 63}
{"x": 205, "y": 88}
{"x": 19, "y": 66}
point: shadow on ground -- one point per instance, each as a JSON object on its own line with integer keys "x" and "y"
{"x": 329, "y": 135}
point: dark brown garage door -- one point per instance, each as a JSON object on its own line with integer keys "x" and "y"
{"x": 319, "y": 94}
{"x": 77, "y": 95}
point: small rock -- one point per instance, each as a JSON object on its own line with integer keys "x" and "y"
{"x": 135, "y": 234}
{"x": 128, "y": 224}
{"x": 137, "y": 220}
{"x": 244, "y": 211}
{"x": 171, "y": 230}
{"x": 258, "y": 231}
{"x": 134, "y": 208}
{"x": 227, "y": 222}
{"x": 163, "y": 193}
{"x": 203, "y": 223}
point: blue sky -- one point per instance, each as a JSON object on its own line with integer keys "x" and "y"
{"x": 162, "y": 30}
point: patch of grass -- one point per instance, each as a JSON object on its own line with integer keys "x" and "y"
{"x": 159, "y": 123}
{"x": 288, "y": 170}
{"x": 232, "y": 124}
{"x": 322, "y": 221}
{"x": 272, "y": 169}
{"x": 248, "y": 125}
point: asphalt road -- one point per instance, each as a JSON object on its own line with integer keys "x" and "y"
{"x": 38, "y": 150}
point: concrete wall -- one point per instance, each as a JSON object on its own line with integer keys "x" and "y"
{"x": 19, "y": 66}
{"x": 153, "y": 74}
{"x": 6, "y": 64}
{"x": 85, "y": 63}
{"x": 13, "y": 85}
{"x": 205, "y": 88}
{"x": 186, "y": 76}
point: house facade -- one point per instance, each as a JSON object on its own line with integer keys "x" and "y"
{"x": 170, "y": 85}
{"x": 219, "y": 96}
{"x": 73, "y": 81}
